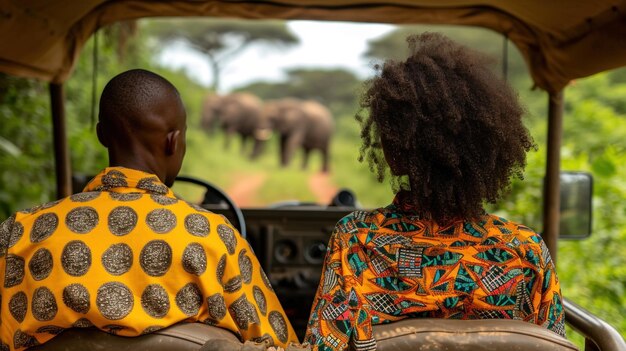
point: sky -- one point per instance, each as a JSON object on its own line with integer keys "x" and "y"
{"x": 322, "y": 45}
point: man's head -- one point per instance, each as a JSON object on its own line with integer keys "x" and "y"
{"x": 142, "y": 123}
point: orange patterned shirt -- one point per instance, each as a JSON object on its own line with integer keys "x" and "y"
{"x": 128, "y": 257}
{"x": 387, "y": 265}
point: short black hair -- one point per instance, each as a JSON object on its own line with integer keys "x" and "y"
{"x": 450, "y": 122}
{"x": 131, "y": 93}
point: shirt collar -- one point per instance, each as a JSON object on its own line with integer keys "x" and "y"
{"x": 402, "y": 203}
{"x": 131, "y": 179}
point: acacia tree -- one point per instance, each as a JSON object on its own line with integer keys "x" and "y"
{"x": 393, "y": 45}
{"x": 219, "y": 40}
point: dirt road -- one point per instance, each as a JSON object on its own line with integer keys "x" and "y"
{"x": 247, "y": 186}
{"x": 322, "y": 187}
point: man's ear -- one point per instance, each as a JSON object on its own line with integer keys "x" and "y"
{"x": 172, "y": 142}
{"x": 102, "y": 135}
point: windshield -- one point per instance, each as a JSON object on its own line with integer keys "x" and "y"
{"x": 303, "y": 60}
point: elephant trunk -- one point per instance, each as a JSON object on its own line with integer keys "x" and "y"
{"x": 260, "y": 138}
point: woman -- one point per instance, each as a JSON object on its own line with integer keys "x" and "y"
{"x": 451, "y": 134}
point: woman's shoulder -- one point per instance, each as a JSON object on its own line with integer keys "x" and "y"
{"x": 355, "y": 220}
{"x": 502, "y": 226}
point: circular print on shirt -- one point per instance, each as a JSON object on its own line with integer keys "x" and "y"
{"x": 84, "y": 197}
{"x": 163, "y": 200}
{"x": 278, "y": 324}
{"x": 40, "y": 264}
{"x": 82, "y": 323}
{"x": 245, "y": 266}
{"x": 156, "y": 258}
{"x": 152, "y": 329}
{"x": 161, "y": 220}
{"x": 194, "y": 259}
{"x": 189, "y": 299}
{"x": 122, "y": 220}
{"x": 43, "y": 227}
{"x": 82, "y": 220}
{"x": 21, "y": 339}
{"x": 197, "y": 225}
{"x": 233, "y": 284}
{"x": 76, "y": 258}
{"x": 259, "y": 297}
{"x": 266, "y": 281}
{"x": 125, "y": 196}
{"x": 221, "y": 268}
{"x": 50, "y": 204}
{"x": 17, "y": 231}
{"x": 227, "y": 235}
{"x": 243, "y": 312}
{"x": 114, "y": 300}
{"x": 76, "y": 297}
{"x": 44, "y": 304}
{"x": 5, "y": 232}
{"x": 155, "y": 301}
{"x": 117, "y": 259}
{"x": 152, "y": 184}
{"x": 18, "y": 305}
{"x": 114, "y": 179}
{"x": 217, "y": 306}
{"x": 14, "y": 271}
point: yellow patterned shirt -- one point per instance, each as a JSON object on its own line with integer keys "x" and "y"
{"x": 127, "y": 256}
{"x": 388, "y": 264}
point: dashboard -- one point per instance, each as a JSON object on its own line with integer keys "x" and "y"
{"x": 290, "y": 244}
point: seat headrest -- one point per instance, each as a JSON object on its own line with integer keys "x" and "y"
{"x": 180, "y": 337}
{"x": 467, "y": 335}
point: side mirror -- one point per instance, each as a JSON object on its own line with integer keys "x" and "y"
{"x": 576, "y": 193}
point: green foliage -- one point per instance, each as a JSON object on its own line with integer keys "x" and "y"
{"x": 82, "y": 93}
{"x": 220, "y": 39}
{"x": 26, "y": 154}
{"x": 394, "y": 46}
{"x": 593, "y": 271}
{"x": 25, "y": 157}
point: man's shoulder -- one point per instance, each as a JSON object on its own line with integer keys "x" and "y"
{"x": 198, "y": 209}
{"x": 33, "y": 212}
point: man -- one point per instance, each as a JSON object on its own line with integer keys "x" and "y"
{"x": 125, "y": 255}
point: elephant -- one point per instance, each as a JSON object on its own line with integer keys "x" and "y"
{"x": 239, "y": 113}
{"x": 305, "y": 124}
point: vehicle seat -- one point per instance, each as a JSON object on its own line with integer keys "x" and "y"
{"x": 466, "y": 335}
{"x": 179, "y": 337}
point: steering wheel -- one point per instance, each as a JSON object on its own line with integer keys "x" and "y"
{"x": 215, "y": 195}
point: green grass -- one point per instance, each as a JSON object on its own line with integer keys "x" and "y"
{"x": 209, "y": 160}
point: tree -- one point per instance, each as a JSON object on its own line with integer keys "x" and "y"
{"x": 219, "y": 40}
{"x": 394, "y": 46}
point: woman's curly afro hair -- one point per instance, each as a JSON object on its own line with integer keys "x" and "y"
{"x": 452, "y": 129}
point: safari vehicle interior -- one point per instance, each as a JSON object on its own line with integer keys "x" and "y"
{"x": 559, "y": 40}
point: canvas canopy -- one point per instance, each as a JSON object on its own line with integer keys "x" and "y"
{"x": 560, "y": 40}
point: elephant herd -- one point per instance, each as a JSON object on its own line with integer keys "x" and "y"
{"x": 300, "y": 124}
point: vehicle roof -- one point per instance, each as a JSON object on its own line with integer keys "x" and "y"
{"x": 560, "y": 40}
